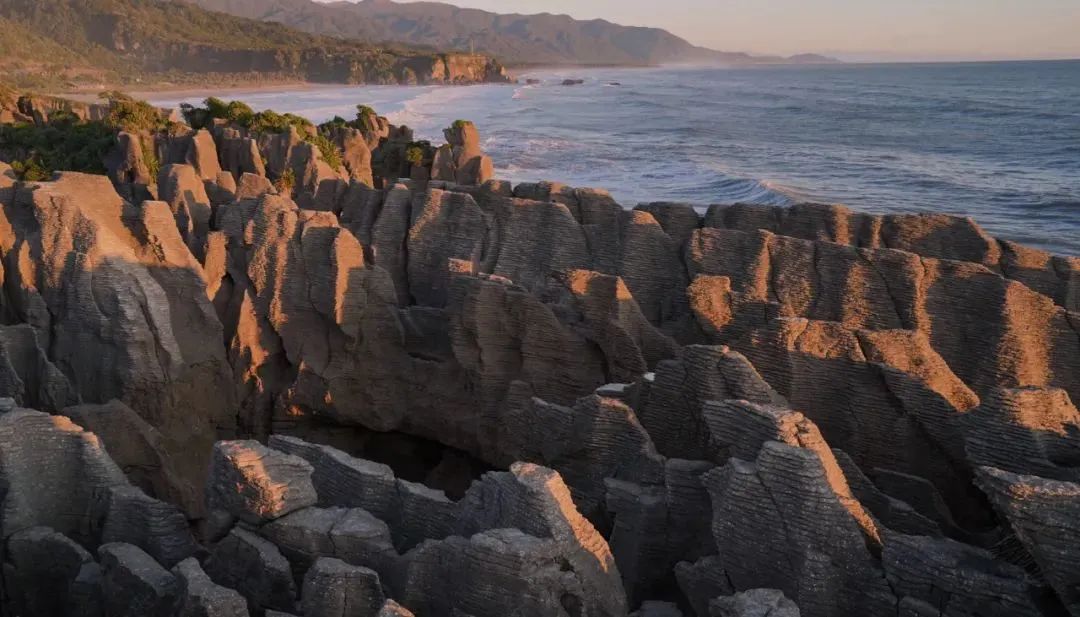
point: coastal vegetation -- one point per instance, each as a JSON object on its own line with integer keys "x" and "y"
{"x": 63, "y": 43}
{"x": 63, "y": 141}
{"x": 240, "y": 114}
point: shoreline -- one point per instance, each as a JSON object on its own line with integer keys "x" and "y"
{"x": 186, "y": 90}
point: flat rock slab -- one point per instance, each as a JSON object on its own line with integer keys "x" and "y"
{"x": 256, "y": 484}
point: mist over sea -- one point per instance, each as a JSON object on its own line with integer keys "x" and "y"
{"x": 996, "y": 141}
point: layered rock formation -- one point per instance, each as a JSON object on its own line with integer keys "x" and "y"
{"x": 649, "y": 411}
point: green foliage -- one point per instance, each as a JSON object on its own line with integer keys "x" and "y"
{"x": 366, "y": 118}
{"x": 335, "y": 122}
{"x": 240, "y": 114}
{"x": 414, "y": 156}
{"x": 30, "y": 170}
{"x": 128, "y": 114}
{"x": 49, "y": 42}
{"x": 330, "y": 153}
{"x": 36, "y": 152}
{"x": 460, "y": 124}
{"x": 150, "y": 157}
{"x": 236, "y": 112}
{"x": 418, "y": 153}
{"x": 270, "y": 121}
{"x": 114, "y": 95}
{"x": 286, "y": 182}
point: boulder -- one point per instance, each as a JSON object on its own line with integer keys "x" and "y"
{"x": 134, "y": 585}
{"x": 37, "y": 450}
{"x": 959, "y": 579}
{"x": 1043, "y": 515}
{"x": 138, "y": 448}
{"x": 351, "y": 535}
{"x": 256, "y": 569}
{"x": 200, "y": 597}
{"x": 754, "y": 603}
{"x": 252, "y": 186}
{"x": 85, "y": 595}
{"x": 344, "y": 481}
{"x": 158, "y": 528}
{"x": 333, "y": 588}
{"x": 256, "y": 484}
{"x": 41, "y": 568}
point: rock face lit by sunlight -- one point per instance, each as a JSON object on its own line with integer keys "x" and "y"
{"x": 256, "y": 365}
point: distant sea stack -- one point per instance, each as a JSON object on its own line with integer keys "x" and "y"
{"x": 263, "y": 367}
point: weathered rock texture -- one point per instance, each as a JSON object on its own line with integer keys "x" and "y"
{"x": 801, "y": 411}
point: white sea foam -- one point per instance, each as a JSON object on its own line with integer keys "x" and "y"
{"x": 877, "y": 138}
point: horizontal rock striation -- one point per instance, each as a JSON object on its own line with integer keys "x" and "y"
{"x": 652, "y": 412}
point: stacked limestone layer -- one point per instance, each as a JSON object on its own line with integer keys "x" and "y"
{"x": 804, "y": 411}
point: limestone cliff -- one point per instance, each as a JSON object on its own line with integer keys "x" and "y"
{"x": 398, "y": 386}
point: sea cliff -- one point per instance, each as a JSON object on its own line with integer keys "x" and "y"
{"x": 263, "y": 367}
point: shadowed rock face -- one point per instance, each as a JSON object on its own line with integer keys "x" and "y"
{"x": 804, "y": 411}
{"x": 119, "y": 302}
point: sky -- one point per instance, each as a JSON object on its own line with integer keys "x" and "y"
{"x": 850, "y": 29}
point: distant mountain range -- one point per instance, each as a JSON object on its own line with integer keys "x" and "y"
{"x": 51, "y": 43}
{"x": 512, "y": 38}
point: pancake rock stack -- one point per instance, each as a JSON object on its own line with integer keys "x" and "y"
{"x": 367, "y": 394}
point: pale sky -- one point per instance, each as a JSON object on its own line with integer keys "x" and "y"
{"x": 851, "y": 29}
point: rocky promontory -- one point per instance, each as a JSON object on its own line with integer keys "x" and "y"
{"x": 261, "y": 367}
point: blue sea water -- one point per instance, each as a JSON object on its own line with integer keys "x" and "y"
{"x": 996, "y": 141}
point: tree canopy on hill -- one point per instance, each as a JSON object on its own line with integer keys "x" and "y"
{"x": 134, "y": 40}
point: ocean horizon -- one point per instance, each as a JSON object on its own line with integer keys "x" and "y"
{"x": 995, "y": 140}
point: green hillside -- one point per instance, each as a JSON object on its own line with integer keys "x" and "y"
{"x": 133, "y": 41}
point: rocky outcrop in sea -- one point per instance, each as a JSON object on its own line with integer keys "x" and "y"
{"x": 399, "y": 386}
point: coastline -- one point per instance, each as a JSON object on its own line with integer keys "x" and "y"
{"x": 184, "y": 90}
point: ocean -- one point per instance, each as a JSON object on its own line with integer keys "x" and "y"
{"x": 996, "y": 141}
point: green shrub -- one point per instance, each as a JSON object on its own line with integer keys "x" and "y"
{"x": 270, "y": 121}
{"x": 30, "y": 170}
{"x": 41, "y": 150}
{"x": 196, "y": 117}
{"x": 415, "y": 156}
{"x": 286, "y": 182}
{"x": 334, "y": 123}
{"x": 419, "y": 152}
{"x": 460, "y": 124}
{"x": 330, "y": 154}
{"x": 114, "y": 95}
{"x": 240, "y": 114}
{"x": 150, "y": 157}
{"x": 128, "y": 114}
{"x": 366, "y": 118}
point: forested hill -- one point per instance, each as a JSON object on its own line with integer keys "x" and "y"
{"x": 131, "y": 41}
{"x": 512, "y": 38}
